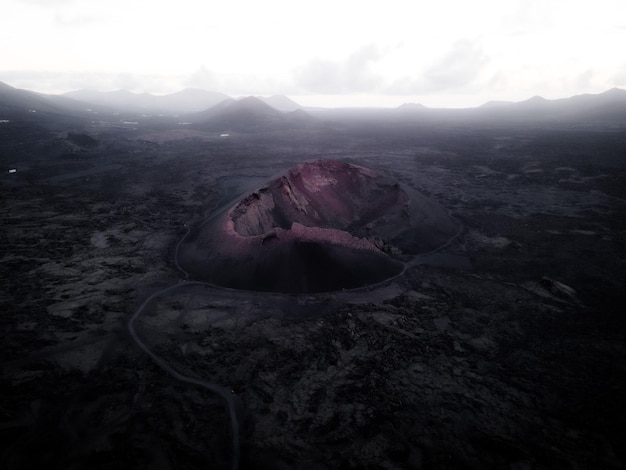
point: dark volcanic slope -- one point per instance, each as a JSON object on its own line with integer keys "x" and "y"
{"x": 320, "y": 226}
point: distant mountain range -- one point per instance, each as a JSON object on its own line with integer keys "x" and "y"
{"x": 220, "y": 110}
{"x": 15, "y": 102}
{"x": 607, "y": 106}
{"x": 186, "y": 101}
{"x": 189, "y": 100}
{"x": 183, "y": 102}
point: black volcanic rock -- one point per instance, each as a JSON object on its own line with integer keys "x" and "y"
{"x": 320, "y": 226}
{"x": 82, "y": 140}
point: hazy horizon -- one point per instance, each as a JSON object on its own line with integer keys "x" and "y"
{"x": 449, "y": 54}
{"x": 323, "y": 102}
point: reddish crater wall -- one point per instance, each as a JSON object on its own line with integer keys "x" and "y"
{"x": 322, "y": 225}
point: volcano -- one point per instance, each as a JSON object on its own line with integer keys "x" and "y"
{"x": 320, "y": 226}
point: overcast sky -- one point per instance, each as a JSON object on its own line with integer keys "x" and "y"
{"x": 450, "y": 53}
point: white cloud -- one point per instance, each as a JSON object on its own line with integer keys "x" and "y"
{"x": 356, "y": 48}
{"x": 126, "y": 81}
{"x": 455, "y": 70}
{"x": 351, "y": 75}
{"x": 619, "y": 79}
{"x": 49, "y": 3}
{"x": 584, "y": 80}
{"x": 202, "y": 78}
{"x": 459, "y": 67}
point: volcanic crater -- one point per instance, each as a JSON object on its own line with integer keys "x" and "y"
{"x": 321, "y": 226}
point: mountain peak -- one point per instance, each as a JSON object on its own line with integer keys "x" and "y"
{"x": 5, "y": 86}
{"x": 615, "y": 92}
{"x": 536, "y": 99}
{"x": 251, "y": 104}
{"x": 495, "y": 103}
{"x": 250, "y": 99}
{"x": 411, "y": 107}
{"x": 246, "y": 112}
{"x": 281, "y": 103}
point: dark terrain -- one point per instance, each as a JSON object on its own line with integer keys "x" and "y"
{"x": 506, "y": 350}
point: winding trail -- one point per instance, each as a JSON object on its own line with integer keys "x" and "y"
{"x": 224, "y": 393}
{"x": 231, "y": 402}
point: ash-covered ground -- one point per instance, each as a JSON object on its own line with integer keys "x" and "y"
{"x": 505, "y": 350}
